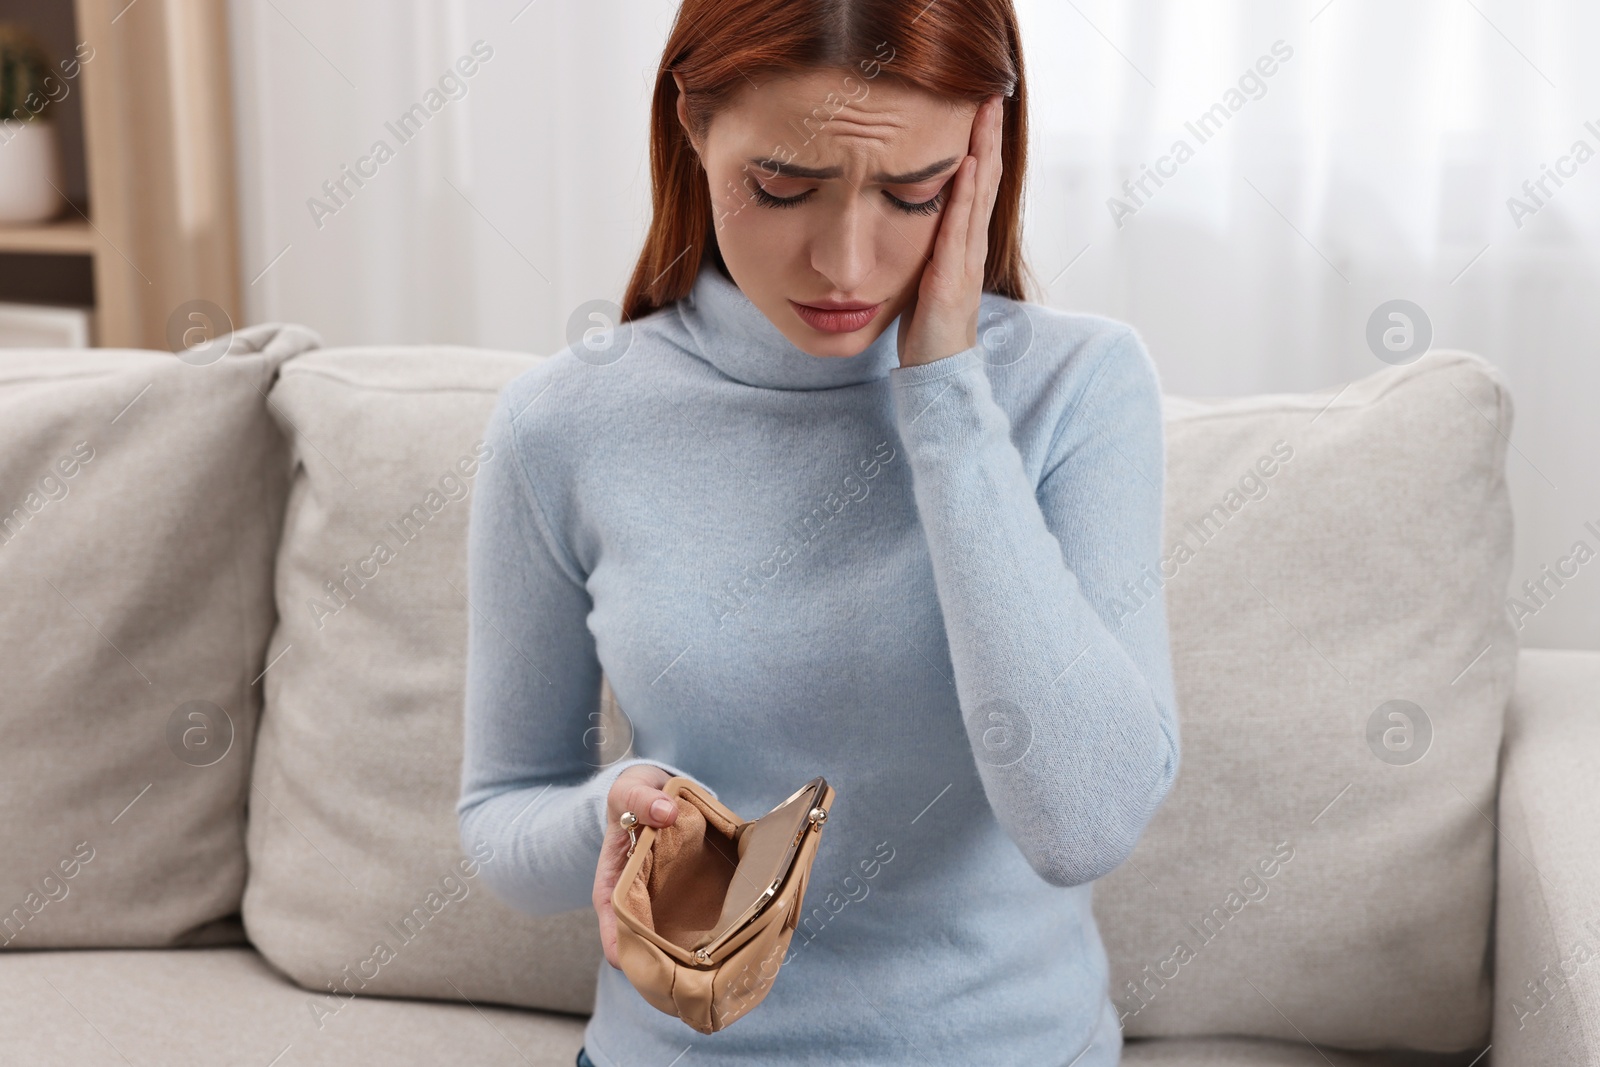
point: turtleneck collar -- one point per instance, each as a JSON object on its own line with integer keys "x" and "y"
{"x": 737, "y": 338}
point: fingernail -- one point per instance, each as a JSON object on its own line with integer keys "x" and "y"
{"x": 662, "y": 808}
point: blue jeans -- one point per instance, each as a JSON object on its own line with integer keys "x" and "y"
{"x": 584, "y": 1060}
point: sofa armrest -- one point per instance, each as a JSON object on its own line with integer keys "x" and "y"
{"x": 1547, "y": 902}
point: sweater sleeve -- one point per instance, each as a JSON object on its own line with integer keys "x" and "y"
{"x": 532, "y": 788}
{"x": 1055, "y": 620}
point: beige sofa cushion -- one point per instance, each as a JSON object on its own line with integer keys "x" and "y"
{"x": 140, "y": 501}
{"x": 1309, "y": 877}
{"x": 353, "y": 837}
{"x": 212, "y": 1007}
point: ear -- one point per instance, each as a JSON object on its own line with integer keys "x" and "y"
{"x": 683, "y": 111}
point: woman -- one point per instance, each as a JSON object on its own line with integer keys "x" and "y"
{"x": 836, "y": 501}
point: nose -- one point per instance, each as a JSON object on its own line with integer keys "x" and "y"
{"x": 843, "y": 252}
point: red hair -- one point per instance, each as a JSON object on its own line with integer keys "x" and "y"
{"x": 963, "y": 50}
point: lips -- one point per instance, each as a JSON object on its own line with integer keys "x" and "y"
{"x": 830, "y": 306}
{"x": 837, "y": 318}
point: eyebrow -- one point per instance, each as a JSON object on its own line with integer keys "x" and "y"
{"x": 776, "y": 169}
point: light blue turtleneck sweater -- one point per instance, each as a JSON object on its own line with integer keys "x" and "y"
{"x": 933, "y": 585}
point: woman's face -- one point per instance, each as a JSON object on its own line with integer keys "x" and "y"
{"x": 869, "y": 165}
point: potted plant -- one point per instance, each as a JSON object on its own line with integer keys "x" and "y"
{"x": 30, "y": 158}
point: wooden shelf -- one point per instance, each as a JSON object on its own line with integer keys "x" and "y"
{"x": 151, "y": 163}
{"x": 69, "y": 236}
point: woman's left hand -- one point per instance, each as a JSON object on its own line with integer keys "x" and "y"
{"x": 943, "y": 317}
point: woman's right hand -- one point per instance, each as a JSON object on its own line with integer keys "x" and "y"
{"x": 637, "y": 789}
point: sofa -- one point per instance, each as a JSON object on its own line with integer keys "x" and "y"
{"x": 234, "y": 624}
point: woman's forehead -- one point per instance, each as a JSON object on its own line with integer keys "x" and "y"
{"x": 809, "y": 121}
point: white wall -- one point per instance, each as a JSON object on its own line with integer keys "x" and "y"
{"x": 1376, "y": 163}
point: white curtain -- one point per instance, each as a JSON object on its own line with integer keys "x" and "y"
{"x": 1341, "y": 154}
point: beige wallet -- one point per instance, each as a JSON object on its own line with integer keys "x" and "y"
{"x": 706, "y": 907}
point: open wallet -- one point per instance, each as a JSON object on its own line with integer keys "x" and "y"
{"x": 706, "y": 907}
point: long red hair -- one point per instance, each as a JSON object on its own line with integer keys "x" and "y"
{"x": 963, "y": 50}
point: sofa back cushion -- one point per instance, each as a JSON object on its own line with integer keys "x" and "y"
{"x": 141, "y": 495}
{"x": 1323, "y": 868}
{"x": 358, "y": 882}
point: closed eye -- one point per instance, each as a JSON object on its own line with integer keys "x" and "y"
{"x": 926, "y": 207}
{"x": 766, "y": 199}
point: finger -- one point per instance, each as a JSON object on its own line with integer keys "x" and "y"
{"x": 604, "y": 886}
{"x": 979, "y": 150}
{"x": 947, "y": 269}
{"x": 613, "y": 856}
{"x": 987, "y": 150}
{"x": 652, "y": 806}
{"x": 991, "y": 187}
{"x": 608, "y": 936}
